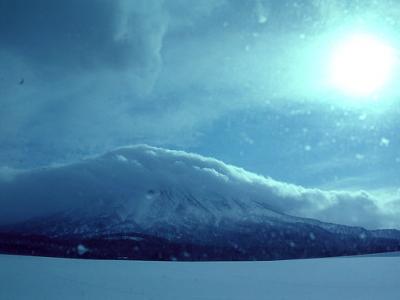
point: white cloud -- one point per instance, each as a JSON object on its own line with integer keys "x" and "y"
{"x": 215, "y": 184}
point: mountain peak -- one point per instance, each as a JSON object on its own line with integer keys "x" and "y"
{"x": 147, "y": 183}
{"x": 148, "y": 197}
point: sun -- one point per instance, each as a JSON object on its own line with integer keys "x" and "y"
{"x": 361, "y": 65}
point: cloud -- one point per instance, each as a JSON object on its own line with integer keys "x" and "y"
{"x": 83, "y": 65}
{"x": 102, "y": 73}
{"x": 89, "y": 72}
{"x": 75, "y": 36}
{"x": 121, "y": 180}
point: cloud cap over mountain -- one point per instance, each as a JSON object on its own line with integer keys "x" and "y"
{"x": 127, "y": 179}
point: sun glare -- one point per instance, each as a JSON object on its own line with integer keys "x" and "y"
{"x": 361, "y": 65}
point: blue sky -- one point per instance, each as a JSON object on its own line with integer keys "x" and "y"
{"x": 242, "y": 81}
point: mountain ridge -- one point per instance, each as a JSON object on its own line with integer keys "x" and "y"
{"x": 184, "y": 201}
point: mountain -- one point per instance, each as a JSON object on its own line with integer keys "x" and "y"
{"x": 143, "y": 202}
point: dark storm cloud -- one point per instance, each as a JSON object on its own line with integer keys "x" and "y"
{"x": 88, "y": 67}
{"x": 80, "y": 64}
{"x": 57, "y": 32}
{"x": 79, "y": 34}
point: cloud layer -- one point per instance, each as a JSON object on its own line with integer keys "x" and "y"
{"x": 124, "y": 177}
{"x": 102, "y": 74}
{"x": 85, "y": 64}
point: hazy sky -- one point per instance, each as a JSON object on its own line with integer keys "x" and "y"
{"x": 242, "y": 81}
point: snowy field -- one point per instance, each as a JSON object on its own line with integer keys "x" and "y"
{"x": 333, "y": 278}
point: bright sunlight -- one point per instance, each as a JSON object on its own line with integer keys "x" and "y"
{"x": 361, "y": 65}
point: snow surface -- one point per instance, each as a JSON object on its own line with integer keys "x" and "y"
{"x": 333, "y": 278}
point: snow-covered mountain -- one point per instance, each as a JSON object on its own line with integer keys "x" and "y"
{"x": 161, "y": 199}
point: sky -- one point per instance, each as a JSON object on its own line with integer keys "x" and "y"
{"x": 240, "y": 81}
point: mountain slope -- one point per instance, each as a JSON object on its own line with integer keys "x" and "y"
{"x": 170, "y": 204}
